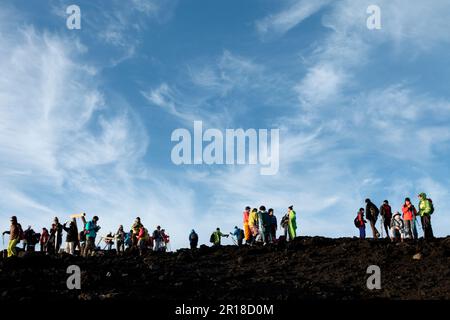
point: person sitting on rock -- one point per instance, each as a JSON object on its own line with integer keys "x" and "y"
{"x": 397, "y": 227}
{"x": 109, "y": 241}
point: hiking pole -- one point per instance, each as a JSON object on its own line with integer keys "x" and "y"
{"x": 3, "y": 240}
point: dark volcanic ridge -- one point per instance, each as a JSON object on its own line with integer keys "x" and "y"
{"x": 307, "y": 268}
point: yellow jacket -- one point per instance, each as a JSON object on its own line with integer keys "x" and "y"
{"x": 253, "y": 219}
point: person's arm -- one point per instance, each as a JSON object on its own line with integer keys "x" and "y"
{"x": 6, "y": 232}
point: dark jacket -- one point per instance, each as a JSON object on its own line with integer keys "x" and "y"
{"x": 193, "y": 238}
{"x": 72, "y": 233}
{"x": 372, "y": 211}
{"x": 386, "y": 212}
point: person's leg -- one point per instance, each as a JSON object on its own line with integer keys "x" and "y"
{"x": 12, "y": 248}
{"x": 387, "y": 224}
{"x": 407, "y": 228}
{"x": 428, "y": 231}
{"x": 414, "y": 226}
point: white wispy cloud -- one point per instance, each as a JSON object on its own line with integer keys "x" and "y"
{"x": 66, "y": 147}
{"x": 292, "y": 14}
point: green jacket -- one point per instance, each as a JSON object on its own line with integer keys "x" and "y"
{"x": 217, "y": 237}
{"x": 424, "y": 205}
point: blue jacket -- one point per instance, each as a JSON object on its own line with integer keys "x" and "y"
{"x": 91, "y": 229}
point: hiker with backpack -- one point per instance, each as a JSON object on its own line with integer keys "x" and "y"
{"x": 426, "y": 209}
{"x": 238, "y": 234}
{"x": 386, "y": 216}
{"x": 71, "y": 237}
{"x": 285, "y": 225}
{"x": 29, "y": 239}
{"x": 247, "y": 231}
{"x": 409, "y": 218}
{"x": 15, "y": 235}
{"x": 292, "y": 226}
{"x": 91, "y": 230}
{"x": 193, "y": 239}
{"x": 272, "y": 226}
{"x": 397, "y": 228}
{"x": 360, "y": 223}
{"x": 372, "y": 215}
{"x": 216, "y": 237}
{"x": 253, "y": 224}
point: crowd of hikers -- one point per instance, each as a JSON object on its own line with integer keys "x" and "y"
{"x": 399, "y": 225}
{"x": 84, "y": 242}
{"x": 259, "y": 227}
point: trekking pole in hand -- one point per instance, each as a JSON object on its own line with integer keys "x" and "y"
{"x": 3, "y": 240}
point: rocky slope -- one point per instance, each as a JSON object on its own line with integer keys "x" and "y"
{"x": 307, "y": 268}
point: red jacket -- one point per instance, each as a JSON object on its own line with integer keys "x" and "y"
{"x": 361, "y": 219}
{"x": 409, "y": 212}
{"x": 246, "y": 215}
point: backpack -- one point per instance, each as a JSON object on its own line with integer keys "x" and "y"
{"x": 284, "y": 221}
{"x": 21, "y": 233}
{"x": 212, "y": 238}
{"x": 431, "y": 206}
{"x": 357, "y": 223}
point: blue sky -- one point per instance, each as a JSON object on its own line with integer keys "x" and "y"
{"x": 86, "y": 115}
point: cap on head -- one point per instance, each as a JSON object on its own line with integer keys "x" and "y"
{"x": 367, "y": 200}
{"x": 291, "y": 207}
{"x": 247, "y": 208}
{"x": 385, "y": 201}
{"x": 218, "y": 229}
{"x": 262, "y": 208}
{"x": 14, "y": 218}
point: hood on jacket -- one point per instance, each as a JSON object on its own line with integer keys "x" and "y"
{"x": 423, "y": 195}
